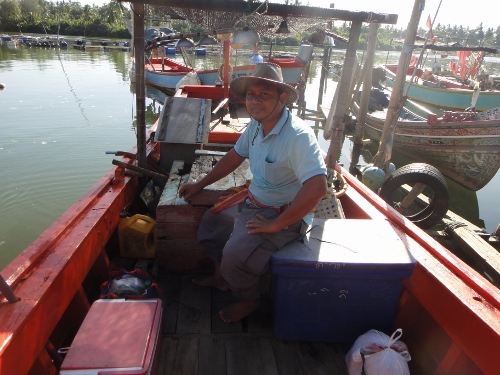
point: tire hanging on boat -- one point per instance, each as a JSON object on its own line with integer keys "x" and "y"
{"x": 435, "y": 184}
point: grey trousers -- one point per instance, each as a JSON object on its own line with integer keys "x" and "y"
{"x": 243, "y": 257}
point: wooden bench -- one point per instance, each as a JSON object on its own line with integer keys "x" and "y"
{"x": 177, "y": 221}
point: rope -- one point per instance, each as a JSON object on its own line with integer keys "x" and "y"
{"x": 450, "y": 227}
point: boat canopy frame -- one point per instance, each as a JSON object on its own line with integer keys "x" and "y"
{"x": 245, "y": 8}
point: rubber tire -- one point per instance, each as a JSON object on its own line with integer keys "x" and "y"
{"x": 428, "y": 175}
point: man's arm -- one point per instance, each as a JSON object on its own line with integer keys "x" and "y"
{"x": 306, "y": 200}
{"x": 224, "y": 166}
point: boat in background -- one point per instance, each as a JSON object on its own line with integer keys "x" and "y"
{"x": 443, "y": 91}
{"x": 464, "y": 146}
{"x": 166, "y": 73}
{"x": 9, "y": 41}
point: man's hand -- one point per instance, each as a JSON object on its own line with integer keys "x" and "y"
{"x": 188, "y": 190}
{"x": 263, "y": 225}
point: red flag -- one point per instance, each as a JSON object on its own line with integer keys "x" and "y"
{"x": 462, "y": 57}
{"x": 453, "y": 67}
{"x": 477, "y": 63}
{"x": 463, "y": 71}
{"x": 429, "y": 25}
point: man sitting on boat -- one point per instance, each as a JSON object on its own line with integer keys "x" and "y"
{"x": 289, "y": 180}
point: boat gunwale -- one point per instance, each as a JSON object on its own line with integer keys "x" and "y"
{"x": 457, "y": 266}
{"x": 457, "y": 283}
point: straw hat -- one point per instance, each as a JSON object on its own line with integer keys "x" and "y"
{"x": 264, "y": 72}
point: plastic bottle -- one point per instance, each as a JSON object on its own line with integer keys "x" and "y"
{"x": 256, "y": 57}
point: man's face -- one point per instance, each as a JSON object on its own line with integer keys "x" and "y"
{"x": 264, "y": 102}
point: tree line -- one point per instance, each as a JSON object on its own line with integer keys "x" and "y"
{"x": 71, "y": 18}
{"x": 66, "y": 18}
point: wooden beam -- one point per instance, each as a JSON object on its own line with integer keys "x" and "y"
{"x": 395, "y": 104}
{"x": 140, "y": 88}
{"x": 244, "y": 7}
{"x": 337, "y": 118}
{"x": 367, "y": 84}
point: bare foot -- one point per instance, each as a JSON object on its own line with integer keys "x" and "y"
{"x": 237, "y": 311}
{"x": 212, "y": 281}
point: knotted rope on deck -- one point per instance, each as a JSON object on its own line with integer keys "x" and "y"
{"x": 450, "y": 227}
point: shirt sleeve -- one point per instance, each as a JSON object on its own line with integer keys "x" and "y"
{"x": 242, "y": 146}
{"x": 306, "y": 158}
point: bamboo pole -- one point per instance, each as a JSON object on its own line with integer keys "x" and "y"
{"x": 367, "y": 83}
{"x": 356, "y": 82}
{"x": 140, "y": 88}
{"x": 345, "y": 83}
{"x": 385, "y": 147}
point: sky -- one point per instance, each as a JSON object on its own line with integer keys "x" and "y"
{"x": 450, "y": 13}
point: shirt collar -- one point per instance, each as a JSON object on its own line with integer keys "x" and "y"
{"x": 281, "y": 122}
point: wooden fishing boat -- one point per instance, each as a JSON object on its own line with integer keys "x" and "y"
{"x": 449, "y": 314}
{"x": 443, "y": 92}
{"x": 464, "y": 146}
{"x": 59, "y": 275}
{"x": 166, "y": 73}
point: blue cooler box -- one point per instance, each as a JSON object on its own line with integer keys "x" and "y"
{"x": 345, "y": 279}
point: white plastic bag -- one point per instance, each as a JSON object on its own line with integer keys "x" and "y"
{"x": 383, "y": 355}
{"x": 189, "y": 79}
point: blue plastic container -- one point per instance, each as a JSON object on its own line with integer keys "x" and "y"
{"x": 345, "y": 279}
{"x": 256, "y": 59}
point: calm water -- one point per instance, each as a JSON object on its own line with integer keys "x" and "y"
{"x": 60, "y": 112}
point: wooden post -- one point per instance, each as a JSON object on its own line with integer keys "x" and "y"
{"x": 367, "y": 83}
{"x": 359, "y": 73}
{"x": 140, "y": 88}
{"x": 324, "y": 69}
{"x": 385, "y": 147}
{"x": 301, "y": 87}
{"x": 345, "y": 83}
{"x": 226, "y": 67}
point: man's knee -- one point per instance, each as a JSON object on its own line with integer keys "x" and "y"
{"x": 215, "y": 227}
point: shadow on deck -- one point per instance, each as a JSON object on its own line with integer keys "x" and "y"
{"x": 196, "y": 341}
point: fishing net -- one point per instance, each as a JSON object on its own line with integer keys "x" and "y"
{"x": 211, "y": 20}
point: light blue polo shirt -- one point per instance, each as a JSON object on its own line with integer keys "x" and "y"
{"x": 283, "y": 160}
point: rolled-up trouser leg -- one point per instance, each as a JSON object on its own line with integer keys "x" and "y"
{"x": 246, "y": 256}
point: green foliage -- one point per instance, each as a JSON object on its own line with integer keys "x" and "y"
{"x": 10, "y": 14}
{"x": 42, "y": 16}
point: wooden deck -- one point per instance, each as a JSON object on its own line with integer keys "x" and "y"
{"x": 196, "y": 341}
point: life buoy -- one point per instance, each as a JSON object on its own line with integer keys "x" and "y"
{"x": 221, "y": 71}
{"x": 415, "y": 79}
{"x": 424, "y": 216}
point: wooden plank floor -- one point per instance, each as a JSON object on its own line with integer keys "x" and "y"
{"x": 196, "y": 342}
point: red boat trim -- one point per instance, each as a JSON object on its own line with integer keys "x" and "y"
{"x": 469, "y": 276}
